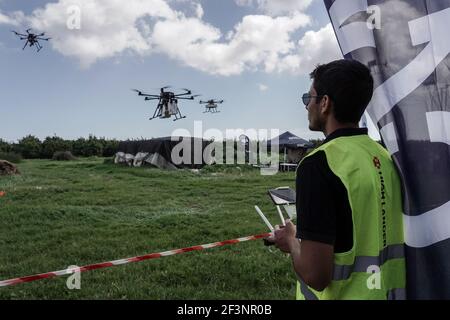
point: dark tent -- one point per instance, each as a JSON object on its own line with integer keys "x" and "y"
{"x": 289, "y": 140}
{"x": 293, "y": 147}
{"x": 159, "y": 152}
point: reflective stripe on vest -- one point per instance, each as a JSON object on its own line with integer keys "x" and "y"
{"x": 309, "y": 295}
{"x": 343, "y": 272}
{"x": 362, "y": 263}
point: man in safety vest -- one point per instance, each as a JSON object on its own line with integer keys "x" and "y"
{"x": 348, "y": 243}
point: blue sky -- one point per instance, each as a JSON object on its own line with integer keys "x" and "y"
{"x": 79, "y": 84}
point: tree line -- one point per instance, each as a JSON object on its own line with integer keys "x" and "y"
{"x": 31, "y": 147}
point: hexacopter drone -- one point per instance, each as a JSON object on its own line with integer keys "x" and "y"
{"x": 168, "y": 103}
{"x": 211, "y": 105}
{"x": 32, "y": 39}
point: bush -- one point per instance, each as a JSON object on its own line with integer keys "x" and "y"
{"x": 29, "y": 147}
{"x": 88, "y": 147}
{"x": 110, "y": 147}
{"x": 63, "y": 156}
{"x": 5, "y": 146}
{"x": 53, "y": 144}
{"x": 11, "y": 157}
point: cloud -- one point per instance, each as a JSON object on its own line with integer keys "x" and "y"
{"x": 262, "y": 87}
{"x": 256, "y": 42}
{"x": 142, "y": 27}
{"x": 199, "y": 10}
{"x": 277, "y": 7}
{"x": 12, "y": 19}
{"x": 108, "y": 27}
{"x": 316, "y": 47}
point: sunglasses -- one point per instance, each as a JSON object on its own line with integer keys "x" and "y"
{"x": 306, "y": 98}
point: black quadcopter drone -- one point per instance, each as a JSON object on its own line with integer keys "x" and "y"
{"x": 211, "y": 105}
{"x": 32, "y": 39}
{"x": 167, "y": 103}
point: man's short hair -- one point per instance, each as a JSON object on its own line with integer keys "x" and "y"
{"x": 349, "y": 85}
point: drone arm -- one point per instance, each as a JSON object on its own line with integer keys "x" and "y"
{"x": 45, "y": 39}
{"x": 20, "y": 34}
{"x": 185, "y": 98}
{"x": 182, "y": 94}
{"x": 26, "y": 43}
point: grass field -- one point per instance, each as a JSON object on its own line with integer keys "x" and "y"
{"x": 57, "y": 214}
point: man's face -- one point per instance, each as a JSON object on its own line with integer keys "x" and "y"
{"x": 316, "y": 123}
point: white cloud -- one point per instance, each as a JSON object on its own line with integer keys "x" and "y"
{"x": 109, "y": 28}
{"x": 262, "y": 87}
{"x": 316, "y": 47}
{"x": 277, "y": 7}
{"x": 199, "y": 11}
{"x": 12, "y": 19}
{"x": 257, "y": 42}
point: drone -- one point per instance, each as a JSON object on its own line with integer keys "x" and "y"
{"x": 32, "y": 39}
{"x": 167, "y": 103}
{"x": 211, "y": 105}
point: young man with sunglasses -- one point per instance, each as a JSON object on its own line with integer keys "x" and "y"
{"x": 348, "y": 242}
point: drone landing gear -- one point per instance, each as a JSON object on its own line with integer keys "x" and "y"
{"x": 211, "y": 111}
{"x": 179, "y": 118}
{"x": 157, "y": 113}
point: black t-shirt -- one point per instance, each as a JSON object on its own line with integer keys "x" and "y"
{"x": 323, "y": 209}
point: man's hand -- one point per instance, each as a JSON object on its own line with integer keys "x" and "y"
{"x": 284, "y": 236}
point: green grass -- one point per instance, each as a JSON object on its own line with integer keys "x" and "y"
{"x": 59, "y": 214}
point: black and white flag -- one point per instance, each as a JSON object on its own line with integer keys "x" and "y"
{"x": 406, "y": 44}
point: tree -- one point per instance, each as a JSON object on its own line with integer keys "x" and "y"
{"x": 5, "y": 146}
{"x": 54, "y": 144}
{"x": 29, "y": 147}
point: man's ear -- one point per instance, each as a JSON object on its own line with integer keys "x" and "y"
{"x": 325, "y": 105}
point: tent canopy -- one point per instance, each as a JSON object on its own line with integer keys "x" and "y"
{"x": 289, "y": 140}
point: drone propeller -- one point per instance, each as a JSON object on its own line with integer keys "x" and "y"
{"x": 139, "y": 92}
{"x": 28, "y": 30}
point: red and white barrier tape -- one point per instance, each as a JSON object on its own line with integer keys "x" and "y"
{"x": 108, "y": 264}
